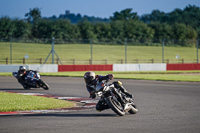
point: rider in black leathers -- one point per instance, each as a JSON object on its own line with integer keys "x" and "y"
{"x": 22, "y": 74}
{"x": 91, "y": 81}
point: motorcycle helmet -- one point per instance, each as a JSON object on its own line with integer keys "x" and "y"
{"x": 22, "y": 69}
{"x": 88, "y": 77}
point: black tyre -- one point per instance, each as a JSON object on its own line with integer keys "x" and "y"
{"x": 115, "y": 106}
{"x": 44, "y": 85}
{"x": 27, "y": 88}
{"x": 133, "y": 109}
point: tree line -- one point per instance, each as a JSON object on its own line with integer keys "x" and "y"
{"x": 178, "y": 25}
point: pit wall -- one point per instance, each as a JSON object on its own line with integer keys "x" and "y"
{"x": 112, "y": 67}
{"x": 182, "y": 67}
{"x": 63, "y": 68}
{"x": 139, "y": 67}
{"x": 40, "y": 68}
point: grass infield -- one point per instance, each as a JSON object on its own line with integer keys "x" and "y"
{"x": 18, "y": 102}
{"x": 191, "y": 76}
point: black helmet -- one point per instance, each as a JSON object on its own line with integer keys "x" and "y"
{"x": 88, "y": 77}
{"x": 22, "y": 69}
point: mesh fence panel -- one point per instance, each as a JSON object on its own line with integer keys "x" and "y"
{"x": 36, "y": 51}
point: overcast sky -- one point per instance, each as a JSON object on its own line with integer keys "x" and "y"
{"x": 97, "y": 8}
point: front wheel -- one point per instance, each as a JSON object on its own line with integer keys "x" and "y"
{"x": 133, "y": 109}
{"x": 44, "y": 85}
{"x": 115, "y": 105}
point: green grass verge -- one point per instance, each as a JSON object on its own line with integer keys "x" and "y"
{"x": 192, "y": 76}
{"x": 18, "y": 102}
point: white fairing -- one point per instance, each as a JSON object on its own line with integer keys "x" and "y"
{"x": 38, "y": 75}
{"x": 106, "y": 88}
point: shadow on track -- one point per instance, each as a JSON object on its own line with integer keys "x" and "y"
{"x": 72, "y": 115}
{"x": 12, "y": 89}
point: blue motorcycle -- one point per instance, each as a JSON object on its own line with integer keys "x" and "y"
{"x": 31, "y": 80}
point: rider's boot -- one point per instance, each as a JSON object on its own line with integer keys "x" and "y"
{"x": 128, "y": 94}
{"x": 118, "y": 84}
{"x": 125, "y": 91}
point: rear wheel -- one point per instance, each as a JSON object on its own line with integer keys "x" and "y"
{"x": 27, "y": 88}
{"x": 44, "y": 85}
{"x": 116, "y": 106}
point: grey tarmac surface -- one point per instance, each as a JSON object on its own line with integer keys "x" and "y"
{"x": 164, "y": 107}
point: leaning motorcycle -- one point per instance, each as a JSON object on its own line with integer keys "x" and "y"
{"x": 33, "y": 80}
{"x": 116, "y": 99}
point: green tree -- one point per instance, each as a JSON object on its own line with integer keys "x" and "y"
{"x": 137, "y": 30}
{"x": 22, "y": 29}
{"x": 182, "y": 33}
{"x": 189, "y": 16}
{"x": 156, "y": 15}
{"x": 6, "y": 27}
{"x": 86, "y": 30}
{"x": 117, "y": 29}
{"x": 65, "y": 30}
{"x": 161, "y": 30}
{"x": 44, "y": 29}
{"x": 125, "y": 15}
{"x": 102, "y": 30}
{"x": 33, "y": 16}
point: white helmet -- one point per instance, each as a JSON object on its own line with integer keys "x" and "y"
{"x": 88, "y": 77}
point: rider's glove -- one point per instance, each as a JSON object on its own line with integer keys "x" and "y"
{"x": 92, "y": 94}
{"x": 110, "y": 76}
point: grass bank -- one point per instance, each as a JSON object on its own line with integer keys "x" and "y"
{"x": 191, "y": 76}
{"x": 81, "y": 53}
{"x": 18, "y": 102}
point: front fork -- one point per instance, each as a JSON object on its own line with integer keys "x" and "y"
{"x": 118, "y": 96}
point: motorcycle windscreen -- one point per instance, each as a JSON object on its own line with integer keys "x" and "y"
{"x": 100, "y": 86}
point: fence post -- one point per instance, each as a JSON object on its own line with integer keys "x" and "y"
{"x": 163, "y": 45}
{"x": 152, "y": 60}
{"x": 40, "y": 60}
{"x": 167, "y": 61}
{"x": 52, "y": 50}
{"x": 23, "y": 60}
{"x": 121, "y": 61}
{"x": 10, "y": 50}
{"x": 57, "y": 60}
{"x": 91, "y": 43}
{"x": 7, "y": 60}
{"x": 182, "y": 61}
{"x": 90, "y": 61}
{"x": 74, "y": 61}
{"x": 106, "y": 61}
{"x": 137, "y": 61}
{"x": 126, "y": 51}
{"x": 197, "y": 51}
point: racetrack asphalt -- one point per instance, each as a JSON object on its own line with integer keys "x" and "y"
{"x": 163, "y": 107}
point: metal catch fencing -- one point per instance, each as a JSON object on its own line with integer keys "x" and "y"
{"x": 94, "y": 51}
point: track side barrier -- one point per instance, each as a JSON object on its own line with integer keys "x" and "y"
{"x": 183, "y": 67}
{"x": 139, "y": 67}
{"x": 40, "y": 68}
{"x": 114, "y": 67}
{"x": 63, "y": 68}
